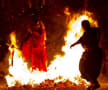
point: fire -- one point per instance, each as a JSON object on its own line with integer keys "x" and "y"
{"x": 61, "y": 69}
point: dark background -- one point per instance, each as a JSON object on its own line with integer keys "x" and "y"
{"x": 16, "y": 15}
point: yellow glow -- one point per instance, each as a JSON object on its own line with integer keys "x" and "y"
{"x": 66, "y": 67}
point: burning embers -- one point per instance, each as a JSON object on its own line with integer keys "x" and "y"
{"x": 62, "y": 72}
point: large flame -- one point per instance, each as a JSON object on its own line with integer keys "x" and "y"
{"x": 61, "y": 69}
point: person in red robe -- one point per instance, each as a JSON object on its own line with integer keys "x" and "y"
{"x": 34, "y": 46}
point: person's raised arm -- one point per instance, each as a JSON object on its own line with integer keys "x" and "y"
{"x": 75, "y": 43}
{"x": 79, "y": 41}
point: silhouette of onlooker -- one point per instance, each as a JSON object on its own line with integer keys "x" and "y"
{"x": 90, "y": 63}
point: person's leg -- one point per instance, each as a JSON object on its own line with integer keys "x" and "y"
{"x": 94, "y": 85}
{"x": 34, "y": 57}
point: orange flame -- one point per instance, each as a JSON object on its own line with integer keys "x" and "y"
{"x": 66, "y": 67}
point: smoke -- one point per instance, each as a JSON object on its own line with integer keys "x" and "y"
{"x": 55, "y": 31}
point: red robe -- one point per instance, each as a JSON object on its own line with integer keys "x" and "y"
{"x": 34, "y": 48}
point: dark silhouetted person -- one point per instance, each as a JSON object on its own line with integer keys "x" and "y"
{"x": 90, "y": 63}
{"x": 34, "y": 46}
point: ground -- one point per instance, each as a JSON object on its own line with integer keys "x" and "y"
{"x": 103, "y": 80}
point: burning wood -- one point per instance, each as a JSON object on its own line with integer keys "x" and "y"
{"x": 49, "y": 84}
{"x": 66, "y": 74}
